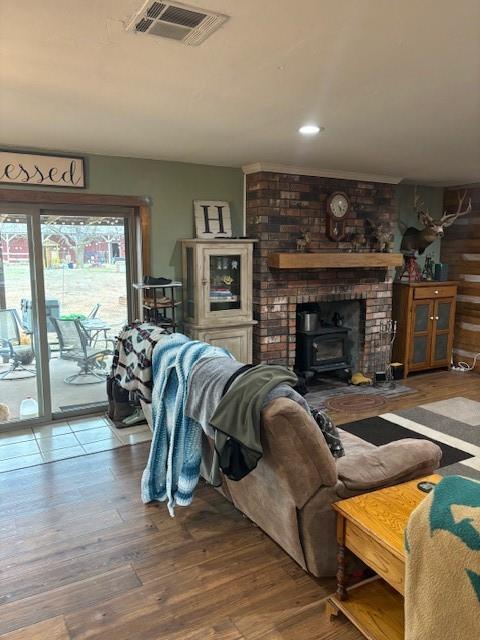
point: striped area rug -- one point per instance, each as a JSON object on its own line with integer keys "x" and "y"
{"x": 453, "y": 424}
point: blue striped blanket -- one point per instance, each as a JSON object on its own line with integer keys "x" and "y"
{"x": 173, "y": 466}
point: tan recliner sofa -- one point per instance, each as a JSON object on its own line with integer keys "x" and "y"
{"x": 290, "y": 493}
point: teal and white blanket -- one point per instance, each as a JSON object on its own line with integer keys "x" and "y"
{"x": 173, "y": 466}
{"x": 442, "y": 591}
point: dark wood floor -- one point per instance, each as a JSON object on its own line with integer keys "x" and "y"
{"x": 81, "y": 557}
{"x": 429, "y": 387}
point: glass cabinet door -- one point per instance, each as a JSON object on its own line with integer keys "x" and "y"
{"x": 189, "y": 284}
{"x": 422, "y": 334}
{"x": 441, "y": 339}
{"x": 226, "y": 277}
{"x": 225, "y": 282}
{"x": 443, "y": 310}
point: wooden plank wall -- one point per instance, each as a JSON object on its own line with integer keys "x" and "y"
{"x": 461, "y": 251}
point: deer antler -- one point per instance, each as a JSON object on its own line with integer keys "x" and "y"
{"x": 422, "y": 212}
{"x": 449, "y": 218}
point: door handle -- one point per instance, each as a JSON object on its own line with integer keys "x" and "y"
{"x": 436, "y": 318}
{"x": 431, "y": 318}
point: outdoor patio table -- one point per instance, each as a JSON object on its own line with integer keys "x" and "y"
{"x": 94, "y": 327}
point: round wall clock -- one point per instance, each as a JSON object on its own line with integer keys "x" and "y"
{"x": 338, "y": 210}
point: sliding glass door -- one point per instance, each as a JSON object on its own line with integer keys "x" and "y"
{"x": 86, "y": 299}
{"x": 65, "y": 293}
{"x": 21, "y": 383}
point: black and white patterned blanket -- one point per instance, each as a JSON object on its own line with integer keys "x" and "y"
{"x": 132, "y": 360}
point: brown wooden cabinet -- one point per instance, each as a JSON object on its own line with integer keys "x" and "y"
{"x": 425, "y": 315}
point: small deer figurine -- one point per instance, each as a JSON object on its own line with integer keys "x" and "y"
{"x": 419, "y": 239}
{"x": 381, "y": 236}
{"x": 303, "y": 243}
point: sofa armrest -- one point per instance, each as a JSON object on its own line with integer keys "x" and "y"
{"x": 295, "y": 451}
{"x": 391, "y": 463}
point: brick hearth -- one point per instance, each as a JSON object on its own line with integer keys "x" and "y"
{"x": 278, "y": 206}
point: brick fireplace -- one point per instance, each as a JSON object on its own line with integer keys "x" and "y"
{"x": 278, "y": 206}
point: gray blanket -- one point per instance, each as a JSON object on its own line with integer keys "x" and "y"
{"x": 206, "y": 383}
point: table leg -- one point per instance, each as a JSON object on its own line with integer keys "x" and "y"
{"x": 341, "y": 559}
{"x": 341, "y": 574}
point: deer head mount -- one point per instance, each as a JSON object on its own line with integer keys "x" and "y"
{"x": 417, "y": 240}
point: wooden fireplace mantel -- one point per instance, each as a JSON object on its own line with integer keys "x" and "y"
{"x": 334, "y": 260}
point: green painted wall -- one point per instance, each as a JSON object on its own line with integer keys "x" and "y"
{"x": 433, "y": 199}
{"x": 172, "y": 186}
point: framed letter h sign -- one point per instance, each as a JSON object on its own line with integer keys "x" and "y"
{"x": 212, "y": 219}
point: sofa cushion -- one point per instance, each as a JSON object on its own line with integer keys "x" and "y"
{"x": 379, "y": 466}
{"x": 352, "y": 444}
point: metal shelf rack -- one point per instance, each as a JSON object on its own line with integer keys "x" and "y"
{"x": 159, "y": 303}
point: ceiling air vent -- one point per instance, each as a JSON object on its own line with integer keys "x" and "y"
{"x": 190, "y": 25}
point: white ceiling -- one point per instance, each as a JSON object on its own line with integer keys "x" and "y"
{"x": 396, "y": 83}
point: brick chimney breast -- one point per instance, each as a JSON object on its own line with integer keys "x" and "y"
{"x": 278, "y": 206}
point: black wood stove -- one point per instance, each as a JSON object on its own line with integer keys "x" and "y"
{"x": 325, "y": 349}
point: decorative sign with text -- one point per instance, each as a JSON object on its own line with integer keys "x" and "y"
{"x": 41, "y": 171}
{"x": 212, "y": 219}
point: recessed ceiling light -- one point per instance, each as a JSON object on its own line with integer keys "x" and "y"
{"x": 310, "y": 129}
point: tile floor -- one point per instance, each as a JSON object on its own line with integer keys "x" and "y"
{"x": 36, "y": 445}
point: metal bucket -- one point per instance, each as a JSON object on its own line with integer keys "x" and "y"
{"x": 308, "y": 321}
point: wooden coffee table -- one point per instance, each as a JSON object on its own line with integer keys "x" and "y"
{"x": 372, "y": 527}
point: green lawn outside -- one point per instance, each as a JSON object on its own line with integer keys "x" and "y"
{"x": 77, "y": 290}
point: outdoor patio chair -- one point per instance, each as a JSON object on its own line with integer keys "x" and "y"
{"x": 74, "y": 346}
{"x": 94, "y": 311}
{"x": 11, "y": 349}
